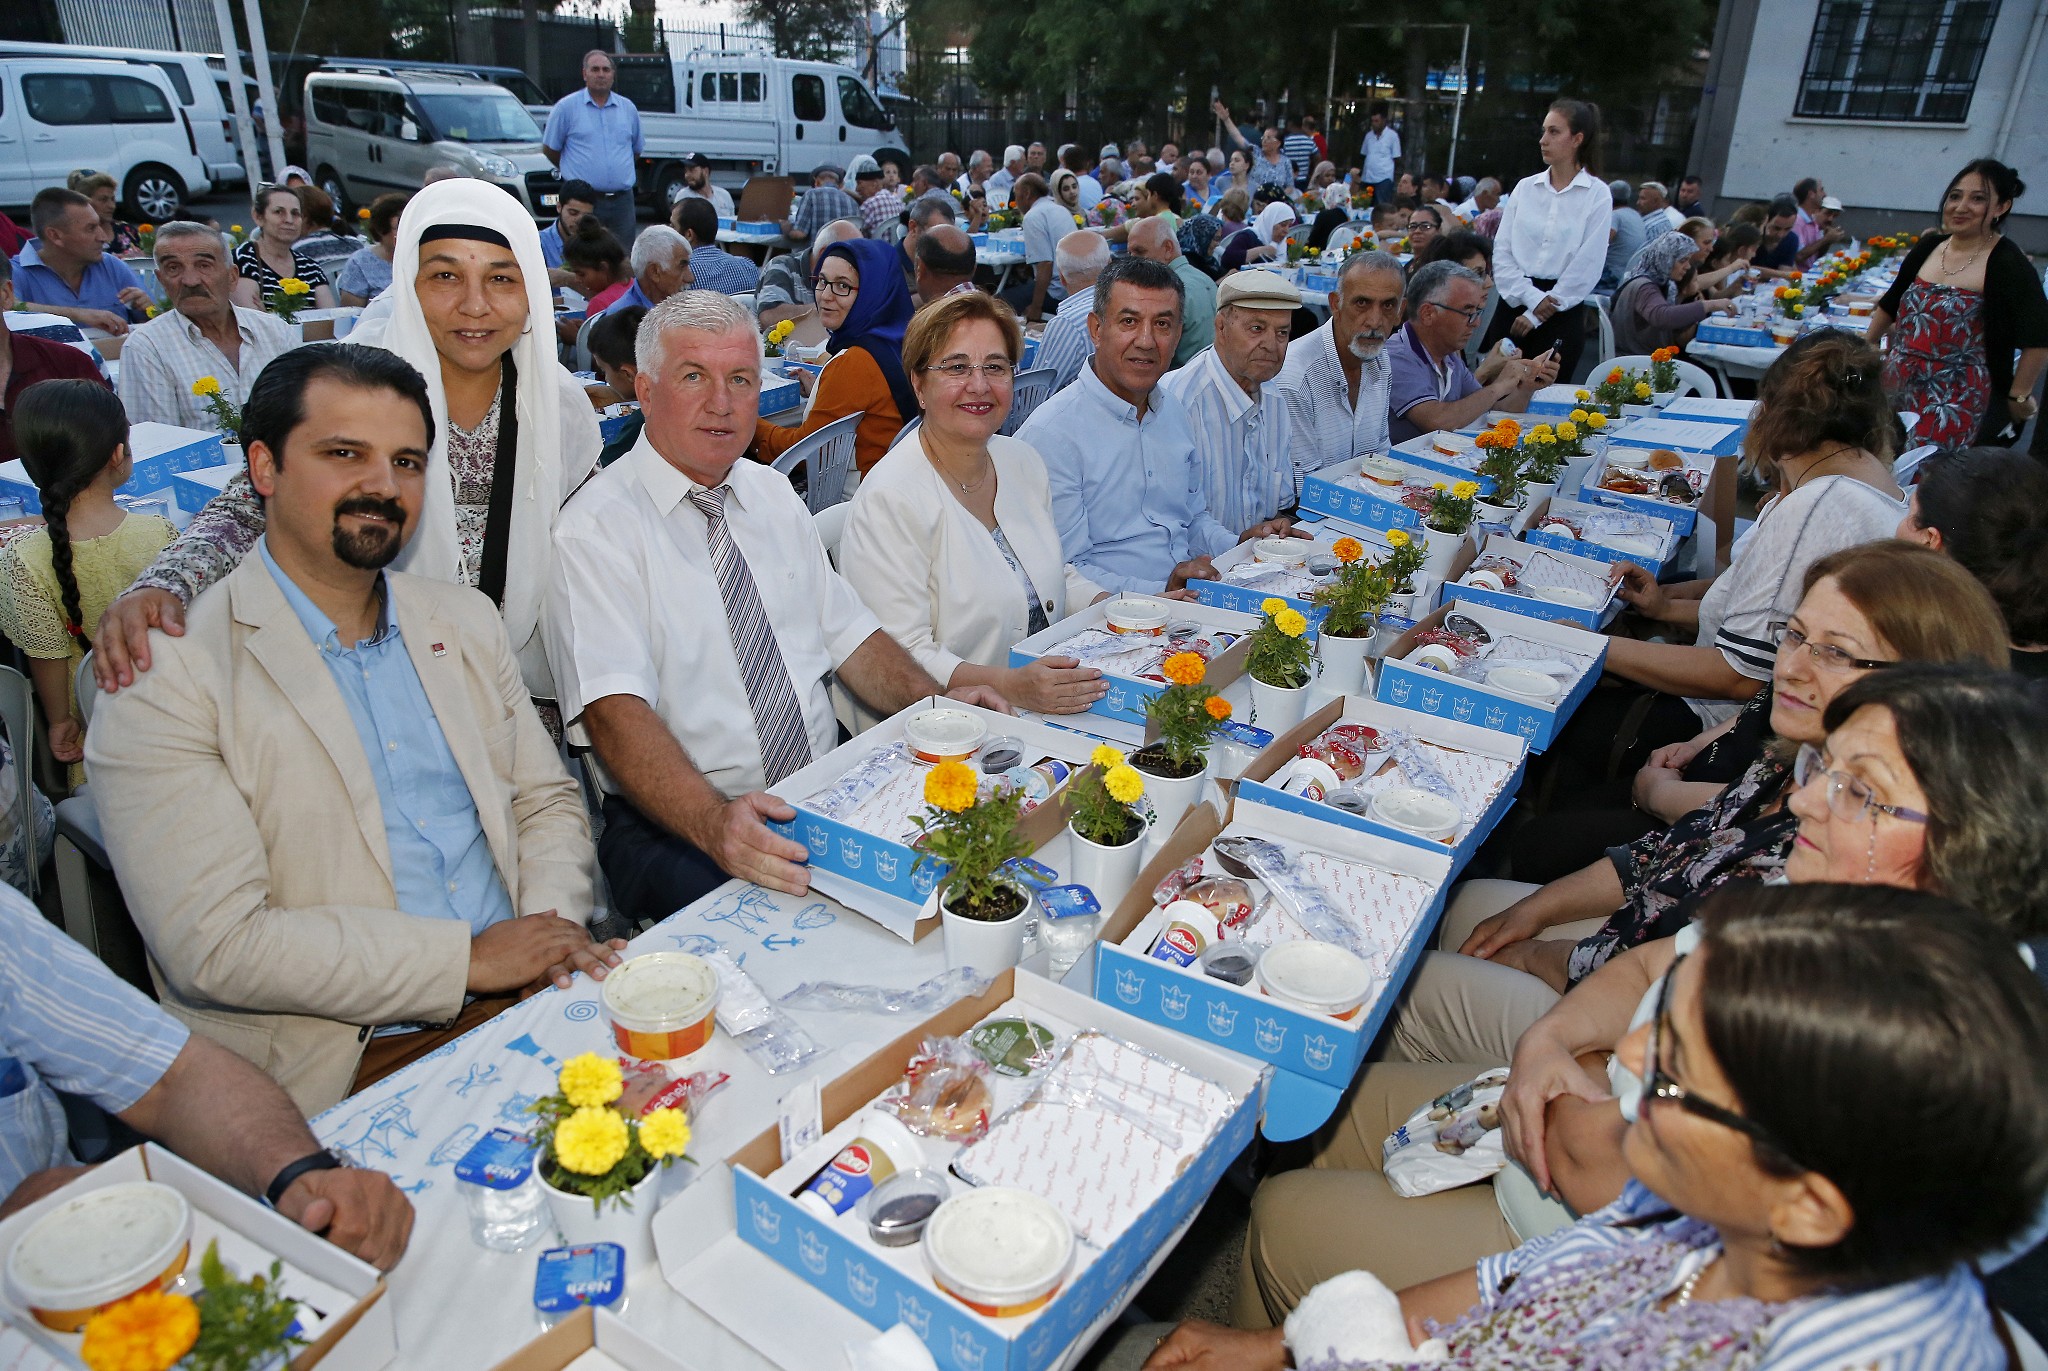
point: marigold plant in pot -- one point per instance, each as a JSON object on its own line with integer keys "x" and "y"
{"x": 596, "y": 1161}
{"x": 973, "y": 834}
{"x": 1103, "y": 814}
{"x": 1186, "y": 715}
{"x": 1353, "y": 600}
{"x": 1278, "y": 663}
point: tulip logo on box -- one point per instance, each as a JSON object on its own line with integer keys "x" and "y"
{"x": 885, "y": 865}
{"x": 861, "y": 1284}
{"x": 1268, "y": 1034}
{"x": 1222, "y": 1019}
{"x": 1401, "y": 690}
{"x": 1130, "y": 987}
{"x": 767, "y": 1222}
{"x": 911, "y": 1310}
{"x": 849, "y": 852}
{"x": 1115, "y": 701}
{"x": 923, "y": 878}
{"x": 811, "y": 1250}
{"x": 1432, "y": 699}
{"x": 1463, "y": 708}
{"x": 819, "y": 839}
{"x": 1319, "y": 1053}
{"x": 1496, "y": 718}
{"x": 1527, "y": 727}
{"x": 1358, "y": 504}
{"x": 968, "y": 1353}
{"x": 1173, "y": 1002}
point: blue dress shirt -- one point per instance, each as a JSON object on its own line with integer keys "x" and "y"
{"x": 713, "y": 268}
{"x": 99, "y": 288}
{"x": 441, "y": 863}
{"x": 597, "y": 143}
{"x": 551, "y": 245}
{"x": 1126, "y": 492}
{"x": 633, "y": 296}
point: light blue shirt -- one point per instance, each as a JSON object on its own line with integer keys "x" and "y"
{"x": 633, "y": 296}
{"x": 1065, "y": 345}
{"x": 1126, "y": 493}
{"x": 99, "y": 288}
{"x": 441, "y": 863}
{"x": 551, "y": 243}
{"x": 713, "y": 268}
{"x": 66, "y": 1023}
{"x": 1242, "y": 444}
{"x": 597, "y": 143}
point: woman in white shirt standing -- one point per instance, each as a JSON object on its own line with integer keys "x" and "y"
{"x": 951, "y": 540}
{"x": 1552, "y": 241}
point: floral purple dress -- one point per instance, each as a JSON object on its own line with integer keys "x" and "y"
{"x": 1936, "y": 367}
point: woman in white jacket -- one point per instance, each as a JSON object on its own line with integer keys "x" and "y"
{"x": 951, "y": 540}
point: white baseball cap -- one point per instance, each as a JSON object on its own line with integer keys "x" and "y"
{"x": 1830, "y": 202}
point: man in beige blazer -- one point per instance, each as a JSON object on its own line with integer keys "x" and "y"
{"x": 335, "y": 815}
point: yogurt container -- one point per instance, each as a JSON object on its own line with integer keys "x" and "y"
{"x": 661, "y": 1005}
{"x": 1434, "y": 657}
{"x": 1282, "y": 551}
{"x": 883, "y": 1149}
{"x": 1485, "y": 580}
{"x": 1453, "y": 444}
{"x": 1131, "y": 614}
{"x": 1418, "y": 811}
{"x": 1381, "y": 470}
{"x": 1321, "y": 978}
{"x": 104, "y": 1246}
{"x": 1520, "y": 680}
{"x": 943, "y": 735}
{"x": 1628, "y": 458}
{"x": 1182, "y": 941}
{"x": 565, "y": 1279}
{"x": 1003, "y": 1253}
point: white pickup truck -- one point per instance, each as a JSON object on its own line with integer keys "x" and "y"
{"x": 751, "y": 114}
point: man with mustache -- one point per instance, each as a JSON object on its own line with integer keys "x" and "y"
{"x": 1336, "y": 377}
{"x": 339, "y": 824}
{"x": 204, "y": 333}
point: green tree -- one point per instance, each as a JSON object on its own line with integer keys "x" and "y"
{"x": 816, "y": 30}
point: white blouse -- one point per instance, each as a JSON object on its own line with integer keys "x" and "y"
{"x": 933, "y": 574}
{"x": 1552, "y": 235}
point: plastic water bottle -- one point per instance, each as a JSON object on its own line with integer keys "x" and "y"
{"x": 507, "y": 1212}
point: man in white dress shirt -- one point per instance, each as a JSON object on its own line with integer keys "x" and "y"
{"x": 692, "y": 621}
{"x": 1238, "y": 416}
{"x": 1336, "y": 377}
{"x": 204, "y": 333}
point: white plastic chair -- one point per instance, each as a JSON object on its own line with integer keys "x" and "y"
{"x": 1692, "y": 380}
{"x": 746, "y": 301}
{"x": 831, "y": 528}
{"x": 1341, "y": 239}
{"x": 1028, "y": 392}
{"x": 581, "y": 356}
{"x": 1606, "y": 325}
{"x": 829, "y": 455}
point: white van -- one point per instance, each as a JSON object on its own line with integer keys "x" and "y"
{"x": 751, "y": 114}
{"x": 60, "y": 115}
{"x": 201, "y": 89}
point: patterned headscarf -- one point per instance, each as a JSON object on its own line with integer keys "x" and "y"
{"x": 1658, "y": 258}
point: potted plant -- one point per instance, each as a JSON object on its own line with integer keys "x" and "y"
{"x": 1353, "y": 599}
{"x": 1104, "y": 824}
{"x": 229, "y": 1325}
{"x": 1187, "y": 714}
{"x": 1620, "y": 390}
{"x": 1502, "y": 464}
{"x": 145, "y": 239}
{"x": 290, "y": 296}
{"x": 598, "y": 1165}
{"x": 226, "y": 417}
{"x": 779, "y": 335}
{"x": 1450, "y": 515}
{"x": 1664, "y": 376}
{"x": 1585, "y": 442}
{"x": 1544, "y": 454}
{"x": 1277, "y": 662}
{"x": 983, "y": 911}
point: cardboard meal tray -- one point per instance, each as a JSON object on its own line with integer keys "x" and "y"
{"x": 1252, "y": 783}
{"x": 1315, "y": 1057}
{"x": 192, "y": 489}
{"x": 360, "y": 1334}
{"x": 885, "y": 1287}
{"x": 879, "y": 876}
{"x": 1681, "y": 517}
{"x": 1376, "y": 506}
{"x": 1127, "y": 695}
{"x": 1690, "y": 435}
{"x": 1246, "y": 600}
{"x": 1528, "y": 606}
{"x": 1418, "y": 452}
{"x": 573, "y": 1341}
{"x": 160, "y": 452}
{"x": 1451, "y": 697}
{"x": 1586, "y": 547}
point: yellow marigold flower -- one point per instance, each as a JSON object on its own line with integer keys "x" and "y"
{"x": 1124, "y": 784}
{"x": 1105, "y": 756}
{"x": 1465, "y": 490}
{"x": 1582, "y": 395}
{"x": 234, "y": 228}
{"x": 590, "y": 1142}
{"x": 145, "y": 1332}
{"x": 665, "y": 1133}
{"x": 1567, "y": 430}
{"x": 1290, "y": 622}
{"x": 1643, "y": 391}
{"x": 1596, "y": 420}
{"x": 1579, "y": 415}
{"x": 206, "y": 385}
{"x": 1186, "y": 668}
{"x": 950, "y": 786}
{"x": 1272, "y": 604}
{"x": 1218, "y": 707}
{"x": 1397, "y": 537}
{"x": 1439, "y": 485}
{"x": 292, "y": 285}
{"x": 590, "y": 1080}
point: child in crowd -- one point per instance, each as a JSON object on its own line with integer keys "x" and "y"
{"x": 611, "y": 343}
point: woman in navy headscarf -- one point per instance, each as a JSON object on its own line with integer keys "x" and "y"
{"x": 864, "y": 304}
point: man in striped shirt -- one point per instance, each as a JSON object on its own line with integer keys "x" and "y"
{"x": 1079, "y": 258}
{"x": 1300, "y": 150}
{"x": 1239, "y": 417}
{"x": 1337, "y": 379}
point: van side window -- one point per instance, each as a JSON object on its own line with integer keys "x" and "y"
{"x": 858, "y": 107}
{"x": 750, "y": 86}
{"x": 728, "y": 85}
{"x": 710, "y": 88}
{"x": 807, "y": 96}
{"x": 176, "y": 75}
{"x": 392, "y": 112}
{"x": 59, "y": 99}
{"x": 327, "y": 105}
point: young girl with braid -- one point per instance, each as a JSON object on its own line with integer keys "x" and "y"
{"x": 54, "y": 584}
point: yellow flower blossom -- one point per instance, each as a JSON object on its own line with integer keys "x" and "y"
{"x": 950, "y": 786}
{"x": 206, "y": 385}
{"x": 1397, "y": 537}
{"x": 1465, "y": 490}
{"x": 1567, "y": 430}
{"x": 1578, "y": 416}
{"x": 1105, "y": 756}
{"x": 292, "y": 285}
{"x": 1272, "y": 604}
{"x": 1643, "y": 391}
{"x": 1582, "y": 395}
{"x": 1124, "y": 784}
{"x": 1596, "y": 420}
{"x": 1348, "y": 550}
{"x": 590, "y": 1142}
{"x": 590, "y": 1080}
{"x": 145, "y": 1332}
{"x": 665, "y": 1133}
{"x": 1290, "y": 622}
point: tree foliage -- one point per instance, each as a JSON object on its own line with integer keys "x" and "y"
{"x": 816, "y": 30}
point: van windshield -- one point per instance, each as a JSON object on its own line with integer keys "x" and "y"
{"x": 478, "y": 116}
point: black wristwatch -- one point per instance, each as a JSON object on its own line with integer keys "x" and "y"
{"x": 322, "y": 1160}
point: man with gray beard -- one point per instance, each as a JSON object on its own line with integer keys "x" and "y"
{"x": 1336, "y": 378}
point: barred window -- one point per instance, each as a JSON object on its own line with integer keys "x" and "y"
{"x": 1913, "y": 60}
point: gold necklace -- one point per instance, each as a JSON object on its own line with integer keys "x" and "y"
{"x": 988, "y": 469}
{"x": 1953, "y": 272}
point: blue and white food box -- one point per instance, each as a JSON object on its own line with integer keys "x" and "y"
{"x": 1664, "y": 533}
{"x": 1128, "y": 695}
{"x": 192, "y": 489}
{"x": 1353, "y": 709}
{"x": 1532, "y": 605}
{"x": 1421, "y": 451}
{"x": 1711, "y": 408}
{"x": 779, "y": 388}
{"x": 1316, "y": 278}
{"x": 1315, "y": 1056}
{"x": 160, "y": 451}
{"x": 1323, "y": 535}
{"x": 886, "y": 1286}
{"x": 880, "y": 876}
{"x": 1681, "y": 515}
{"x": 612, "y": 421}
{"x": 1327, "y": 491}
{"x": 591, "y": 1338}
{"x": 1425, "y": 691}
{"x": 756, "y": 230}
{"x": 1555, "y": 400}
{"x": 1690, "y": 435}
{"x": 1733, "y": 335}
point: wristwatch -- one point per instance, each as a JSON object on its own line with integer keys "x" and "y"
{"x": 323, "y": 1160}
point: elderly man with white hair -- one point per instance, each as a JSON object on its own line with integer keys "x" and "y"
{"x": 1336, "y": 377}
{"x": 1243, "y": 432}
{"x": 1066, "y": 346}
{"x": 661, "y": 267}
{"x": 1014, "y": 166}
{"x": 979, "y": 165}
{"x": 204, "y": 333}
{"x": 693, "y": 622}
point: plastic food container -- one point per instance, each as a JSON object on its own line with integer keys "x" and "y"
{"x": 1561, "y": 530}
{"x": 1231, "y": 961}
{"x": 1381, "y": 470}
{"x": 885, "y": 1148}
{"x": 1001, "y": 1252}
{"x": 1282, "y": 551}
{"x": 1136, "y": 616}
{"x": 898, "y": 1210}
{"x": 565, "y": 1279}
{"x": 1520, "y": 680}
{"x": 1861, "y": 309}
{"x": 1568, "y": 595}
{"x": 1485, "y": 580}
{"x": 1628, "y": 458}
{"x": 943, "y": 735}
{"x": 1318, "y": 977}
{"x": 1453, "y": 444}
{"x": 661, "y": 1005}
{"x": 1785, "y": 332}
{"x": 1418, "y": 811}
{"x": 101, "y": 1247}
{"x": 1433, "y": 657}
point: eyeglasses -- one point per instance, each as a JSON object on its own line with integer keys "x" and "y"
{"x": 1849, "y": 799}
{"x": 1470, "y": 316}
{"x": 1825, "y": 656}
{"x": 992, "y": 372}
{"x": 1659, "y": 1085}
{"x": 841, "y": 288}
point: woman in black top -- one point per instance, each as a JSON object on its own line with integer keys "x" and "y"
{"x": 269, "y": 256}
{"x": 1987, "y": 507}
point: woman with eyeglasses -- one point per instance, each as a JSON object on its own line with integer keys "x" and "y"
{"x": 951, "y": 539}
{"x": 865, "y": 306}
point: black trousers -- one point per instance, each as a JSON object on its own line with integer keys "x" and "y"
{"x": 1566, "y": 331}
{"x": 652, "y": 872}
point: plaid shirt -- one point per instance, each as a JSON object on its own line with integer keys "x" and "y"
{"x": 163, "y": 357}
{"x": 880, "y": 212}
{"x": 820, "y": 206}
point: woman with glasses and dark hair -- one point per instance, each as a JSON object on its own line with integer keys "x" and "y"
{"x": 1794, "y": 1197}
{"x": 951, "y": 539}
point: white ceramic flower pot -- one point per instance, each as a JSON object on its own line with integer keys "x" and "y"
{"x": 1443, "y": 548}
{"x": 1575, "y": 468}
{"x": 1486, "y": 512}
{"x": 1344, "y": 668}
{"x": 579, "y": 1221}
{"x": 1276, "y": 709}
{"x": 1107, "y": 871}
{"x": 1535, "y": 496}
{"x": 1661, "y": 398}
{"x": 1171, "y": 796}
{"x": 989, "y": 947}
{"x": 1640, "y": 411}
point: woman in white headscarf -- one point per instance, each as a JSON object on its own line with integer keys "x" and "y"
{"x": 469, "y": 308}
{"x": 1648, "y": 313}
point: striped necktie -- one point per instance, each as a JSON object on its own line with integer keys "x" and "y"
{"x": 778, "y": 720}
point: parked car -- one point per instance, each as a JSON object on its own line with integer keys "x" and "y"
{"x": 511, "y": 78}
{"x": 376, "y": 128}
{"x": 202, "y": 93}
{"x": 751, "y": 114}
{"x": 60, "y": 114}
